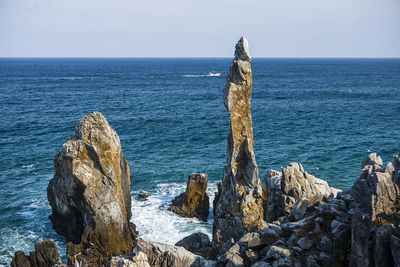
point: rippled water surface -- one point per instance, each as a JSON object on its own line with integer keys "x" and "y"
{"x": 327, "y": 114}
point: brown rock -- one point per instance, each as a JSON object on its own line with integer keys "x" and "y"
{"x": 90, "y": 192}
{"x": 194, "y": 202}
{"x": 239, "y": 208}
{"x": 45, "y": 254}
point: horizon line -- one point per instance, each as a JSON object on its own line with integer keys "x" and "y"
{"x": 180, "y": 57}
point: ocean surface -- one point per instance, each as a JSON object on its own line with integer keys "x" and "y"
{"x": 327, "y": 114}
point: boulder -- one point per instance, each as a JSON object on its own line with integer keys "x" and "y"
{"x": 197, "y": 243}
{"x": 294, "y": 188}
{"x": 172, "y": 256}
{"x": 90, "y": 192}
{"x": 276, "y": 252}
{"x": 138, "y": 260}
{"x": 194, "y": 202}
{"x": 45, "y": 254}
{"x": 304, "y": 243}
{"x": 239, "y": 208}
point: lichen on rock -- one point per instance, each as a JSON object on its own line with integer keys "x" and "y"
{"x": 239, "y": 208}
{"x": 90, "y": 192}
{"x": 194, "y": 202}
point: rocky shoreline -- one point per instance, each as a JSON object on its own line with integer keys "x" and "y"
{"x": 296, "y": 219}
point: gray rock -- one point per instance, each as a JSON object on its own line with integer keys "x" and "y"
{"x": 304, "y": 243}
{"x": 382, "y": 249}
{"x": 252, "y": 239}
{"x": 298, "y": 209}
{"x": 311, "y": 262}
{"x": 337, "y": 226}
{"x": 275, "y": 252}
{"x": 167, "y": 255}
{"x": 268, "y": 236}
{"x": 233, "y": 257}
{"x": 297, "y": 250}
{"x": 294, "y": 184}
{"x": 198, "y": 243}
{"x": 374, "y": 161}
{"x": 374, "y": 191}
{"x": 325, "y": 244}
{"x": 360, "y": 234}
{"x": 239, "y": 208}
{"x": 250, "y": 256}
{"x": 139, "y": 260}
{"x": 261, "y": 264}
{"x": 395, "y": 248}
{"x": 282, "y": 262}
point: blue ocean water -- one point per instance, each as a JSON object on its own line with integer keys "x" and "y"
{"x": 327, "y": 114}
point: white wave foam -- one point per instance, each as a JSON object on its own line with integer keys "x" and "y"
{"x": 155, "y": 223}
{"x": 27, "y": 166}
{"x": 210, "y": 74}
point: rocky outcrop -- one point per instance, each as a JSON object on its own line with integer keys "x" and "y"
{"x": 162, "y": 255}
{"x": 137, "y": 260}
{"x": 376, "y": 202}
{"x": 194, "y": 202}
{"x": 292, "y": 191}
{"x": 198, "y": 243}
{"x": 90, "y": 192}
{"x": 46, "y": 254}
{"x": 239, "y": 208}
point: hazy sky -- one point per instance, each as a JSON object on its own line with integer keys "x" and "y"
{"x": 199, "y": 28}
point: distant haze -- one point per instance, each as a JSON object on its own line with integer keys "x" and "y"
{"x": 199, "y": 28}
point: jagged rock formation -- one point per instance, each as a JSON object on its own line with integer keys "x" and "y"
{"x": 375, "y": 213}
{"x": 194, "y": 202}
{"x": 138, "y": 260}
{"x": 160, "y": 255}
{"x": 239, "y": 208}
{"x": 90, "y": 192}
{"x": 46, "y": 254}
{"x": 198, "y": 243}
{"x": 292, "y": 191}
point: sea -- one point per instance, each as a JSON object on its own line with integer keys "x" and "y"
{"x": 327, "y": 114}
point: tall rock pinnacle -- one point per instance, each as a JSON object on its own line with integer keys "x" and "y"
{"x": 239, "y": 206}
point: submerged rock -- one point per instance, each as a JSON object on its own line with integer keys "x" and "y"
{"x": 90, "y": 192}
{"x": 194, "y": 202}
{"x": 46, "y": 254}
{"x": 239, "y": 207}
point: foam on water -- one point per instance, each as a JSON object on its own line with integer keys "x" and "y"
{"x": 155, "y": 223}
{"x": 210, "y": 74}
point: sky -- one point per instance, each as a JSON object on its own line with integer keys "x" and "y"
{"x": 199, "y": 28}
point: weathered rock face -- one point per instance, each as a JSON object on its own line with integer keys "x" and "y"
{"x": 239, "y": 207}
{"x": 194, "y": 202}
{"x": 374, "y": 191}
{"x": 162, "y": 255}
{"x": 292, "y": 191}
{"x": 138, "y": 260}
{"x": 198, "y": 243}
{"x": 46, "y": 254}
{"x": 90, "y": 192}
{"x": 375, "y": 201}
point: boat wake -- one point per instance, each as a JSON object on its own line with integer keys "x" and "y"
{"x": 210, "y": 74}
